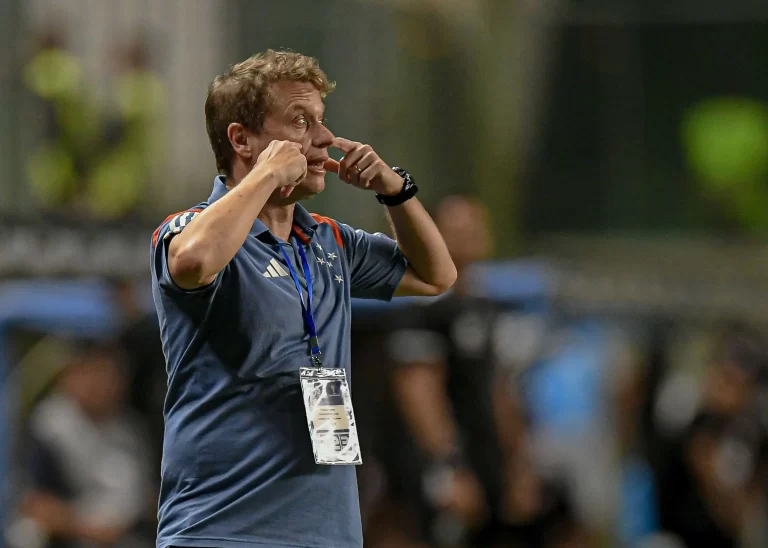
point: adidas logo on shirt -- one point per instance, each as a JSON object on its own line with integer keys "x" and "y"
{"x": 275, "y": 270}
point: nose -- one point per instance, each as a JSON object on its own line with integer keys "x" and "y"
{"x": 323, "y": 138}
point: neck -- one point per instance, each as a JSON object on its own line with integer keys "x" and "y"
{"x": 278, "y": 219}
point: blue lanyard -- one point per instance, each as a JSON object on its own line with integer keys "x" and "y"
{"x": 306, "y": 308}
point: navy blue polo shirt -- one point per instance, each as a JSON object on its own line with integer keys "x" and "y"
{"x": 238, "y": 468}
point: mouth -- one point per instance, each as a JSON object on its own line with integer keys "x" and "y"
{"x": 316, "y": 167}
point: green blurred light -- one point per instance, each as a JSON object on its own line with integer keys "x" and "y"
{"x": 726, "y": 141}
{"x": 53, "y": 74}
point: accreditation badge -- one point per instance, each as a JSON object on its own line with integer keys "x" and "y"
{"x": 330, "y": 417}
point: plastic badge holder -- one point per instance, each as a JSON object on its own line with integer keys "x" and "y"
{"x": 330, "y": 416}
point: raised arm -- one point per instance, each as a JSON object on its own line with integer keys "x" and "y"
{"x": 207, "y": 245}
{"x": 430, "y": 268}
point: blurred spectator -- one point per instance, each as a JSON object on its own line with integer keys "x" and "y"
{"x": 71, "y": 127}
{"x": 87, "y": 461}
{"x": 460, "y": 459}
{"x": 713, "y": 489}
{"x": 630, "y": 383}
{"x": 95, "y": 160}
{"x": 139, "y": 338}
{"x": 117, "y": 184}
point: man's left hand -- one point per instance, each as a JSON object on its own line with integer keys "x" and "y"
{"x": 362, "y": 167}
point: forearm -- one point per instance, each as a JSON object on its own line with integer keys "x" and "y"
{"x": 508, "y": 415}
{"x": 422, "y": 244}
{"x": 421, "y": 395}
{"x": 59, "y": 519}
{"x": 208, "y": 244}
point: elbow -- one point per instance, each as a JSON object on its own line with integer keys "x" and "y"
{"x": 187, "y": 265}
{"x": 446, "y": 280}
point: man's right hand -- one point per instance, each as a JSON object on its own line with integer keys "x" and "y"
{"x": 286, "y": 162}
{"x": 466, "y": 499}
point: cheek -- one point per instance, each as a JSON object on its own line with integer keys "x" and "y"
{"x": 278, "y": 132}
{"x": 306, "y": 143}
{"x": 290, "y": 134}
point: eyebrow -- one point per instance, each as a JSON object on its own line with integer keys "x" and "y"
{"x": 294, "y": 107}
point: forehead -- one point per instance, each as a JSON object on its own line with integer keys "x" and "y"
{"x": 288, "y": 95}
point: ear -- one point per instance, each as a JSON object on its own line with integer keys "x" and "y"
{"x": 238, "y": 138}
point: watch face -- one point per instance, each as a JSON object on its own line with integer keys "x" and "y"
{"x": 400, "y": 171}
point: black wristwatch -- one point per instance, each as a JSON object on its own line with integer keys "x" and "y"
{"x": 409, "y": 190}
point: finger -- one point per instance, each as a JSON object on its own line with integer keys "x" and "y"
{"x": 349, "y": 159}
{"x": 284, "y": 145}
{"x": 368, "y": 159}
{"x": 266, "y": 153}
{"x": 304, "y": 172}
{"x": 289, "y": 145}
{"x": 344, "y": 145}
{"x": 331, "y": 165}
{"x": 367, "y": 176}
{"x": 346, "y": 173}
{"x": 354, "y": 175}
{"x": 370, "y": 169}
{"x": 287, "y": 190}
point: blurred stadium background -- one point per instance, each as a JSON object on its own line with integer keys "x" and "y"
{"x": 619, "y": 151}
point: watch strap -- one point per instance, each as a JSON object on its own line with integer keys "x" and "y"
{"x": 408, "y": 191}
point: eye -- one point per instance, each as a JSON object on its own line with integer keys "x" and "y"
{"x": 301, "y": 121}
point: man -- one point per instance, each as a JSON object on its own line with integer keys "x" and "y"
{"x": 711, "y": 486}
{"x": 143, "y": 352}
{"x": 238, "y": 467}
{"x": 469, "y": 474}
{"x": 87, "y": 458}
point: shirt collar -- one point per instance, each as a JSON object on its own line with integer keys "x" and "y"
{"x": 304, "y": 224}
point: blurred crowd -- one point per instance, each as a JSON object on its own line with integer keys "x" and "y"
{"x": 484, "y": 423}
{"x": 94, "y": 156}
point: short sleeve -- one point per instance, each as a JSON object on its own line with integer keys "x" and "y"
{"x": 376, "y": 263}
{"x": 161, "y": 239}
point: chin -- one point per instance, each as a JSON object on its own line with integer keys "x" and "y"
{"x": 313, "y": 184}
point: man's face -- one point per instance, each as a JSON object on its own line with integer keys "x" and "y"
{"x": 98, "y": 385}
{"x": 296, "y": 114}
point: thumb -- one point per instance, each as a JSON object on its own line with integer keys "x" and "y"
{"x": 331, "y": 165}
